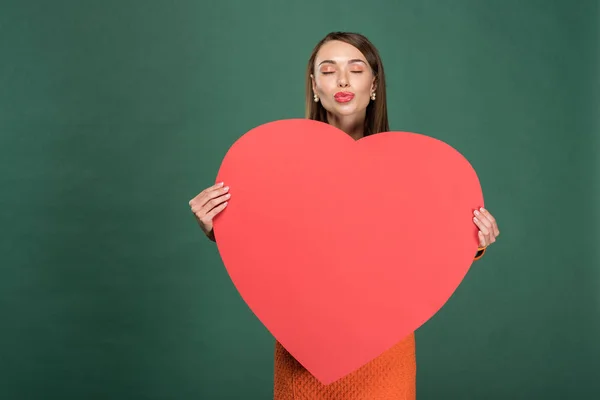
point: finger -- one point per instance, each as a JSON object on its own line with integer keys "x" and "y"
{"x": 208, "y": 189}
{"x": 489, "y": 233}
{"x": 484, "y": 229}
{"x": 213, "y": 213}
{"x": 209, "y": 194}
{"x": 482, "y": 242}
{"x": 209, "y": 205}
{"x": 484, "y": 219}
{"x": 215, "y": 186}
{"x": 491, "y": 218}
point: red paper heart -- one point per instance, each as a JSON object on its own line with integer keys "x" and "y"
{"x": 341, "y": 248}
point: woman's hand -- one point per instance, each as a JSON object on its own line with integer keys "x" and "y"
{"x": 488, "y": 228}
{"x": 207, "y": 204}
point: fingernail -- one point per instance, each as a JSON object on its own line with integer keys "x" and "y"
{"x": 226, "y": 188}
{"x": 227, "y": 195}
{"x": 482, "y": 209}
{"x": 475, "y": 219}
{"x": 476, "y": 212}
{"x": 221, "y": 183}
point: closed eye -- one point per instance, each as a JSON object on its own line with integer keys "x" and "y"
{"x": 354, "y": 72}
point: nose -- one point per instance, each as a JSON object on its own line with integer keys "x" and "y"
{"x": 342, "y": 81}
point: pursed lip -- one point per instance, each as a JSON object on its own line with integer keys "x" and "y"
{"x": 343, "y": 97}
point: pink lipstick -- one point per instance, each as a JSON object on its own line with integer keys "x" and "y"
{"x": 343, "y": 97}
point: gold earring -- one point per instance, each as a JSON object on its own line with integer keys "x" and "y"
{"x": 373, "y": 96}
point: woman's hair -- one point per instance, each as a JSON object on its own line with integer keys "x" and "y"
{"x": 376, "y": 119}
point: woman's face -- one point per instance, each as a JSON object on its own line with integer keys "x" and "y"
{"x": 343, "y": 79}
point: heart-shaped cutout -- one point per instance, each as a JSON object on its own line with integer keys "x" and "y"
{"x": 341, "y": 248}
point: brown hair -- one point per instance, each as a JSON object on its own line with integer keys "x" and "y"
{"x": 376, "y": 119}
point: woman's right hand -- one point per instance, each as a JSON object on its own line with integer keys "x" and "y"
{"x": 207, "y": 204}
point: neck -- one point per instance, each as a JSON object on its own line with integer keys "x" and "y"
{"x": 353, "y": 125}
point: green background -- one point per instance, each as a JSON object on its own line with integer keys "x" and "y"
{"x": 114, "y": 114}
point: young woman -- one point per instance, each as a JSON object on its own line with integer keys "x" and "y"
{"x": 345, "y": 87}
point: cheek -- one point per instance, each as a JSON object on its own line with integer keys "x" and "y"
{"x": 326, "y": 85}
{"x": 364, "y": 94}
{"x": 363, "y": 84}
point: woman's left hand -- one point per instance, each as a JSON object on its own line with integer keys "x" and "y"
{"x": 488, "y": 228}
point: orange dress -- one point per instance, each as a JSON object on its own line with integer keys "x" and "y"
{"x": 392, "y": 375}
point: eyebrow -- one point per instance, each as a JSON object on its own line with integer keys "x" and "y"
{"x": 355, "y": 60}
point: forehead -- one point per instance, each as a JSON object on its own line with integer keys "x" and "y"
{"x": 338, "y": 51}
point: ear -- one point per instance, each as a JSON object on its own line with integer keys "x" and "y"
{"x": 314, "y": 84}
{"x": 374, "y": 84}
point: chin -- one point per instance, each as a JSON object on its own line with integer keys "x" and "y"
{"x": 346, "y": 110}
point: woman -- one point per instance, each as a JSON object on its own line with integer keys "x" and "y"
{"x": 345, "y": 87}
